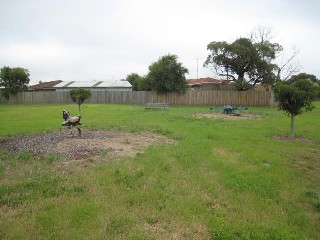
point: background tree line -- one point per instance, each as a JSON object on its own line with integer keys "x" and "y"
{"x": 165, "y": 75}
{"x": 13, "y": 80}
{"x": 246, "y": 62}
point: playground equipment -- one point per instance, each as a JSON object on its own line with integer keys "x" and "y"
{"x": 71, "y": 122}
{"x": 228, "y": 109}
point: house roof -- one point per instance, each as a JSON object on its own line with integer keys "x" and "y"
{"x": 207, "y": 80}
{"x": 45, "y": 85}
{"x": 63, "y": 84}
{"x": 94, "y": 84}
{"x": 83, "y": 84}
{"x": 115, "y": 84}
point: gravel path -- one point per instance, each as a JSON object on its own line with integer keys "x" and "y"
{"x": 89, "y": 144}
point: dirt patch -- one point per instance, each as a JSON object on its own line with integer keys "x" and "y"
{"x": 288, "y": 138}
{"x": 236, "y": 116}
{"x": 167, "y": 230}
{"x": 91, "y": 143}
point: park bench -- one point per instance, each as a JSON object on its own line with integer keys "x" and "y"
{"x": 150, "y": 106}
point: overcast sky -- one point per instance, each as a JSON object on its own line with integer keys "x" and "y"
{"x": 105, "y": 40}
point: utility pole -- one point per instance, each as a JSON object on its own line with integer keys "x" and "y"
{"x": 197, "y": 58}
{"x": 197, "y": 67}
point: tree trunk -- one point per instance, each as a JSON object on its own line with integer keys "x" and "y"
{"x": 292, "y": 126}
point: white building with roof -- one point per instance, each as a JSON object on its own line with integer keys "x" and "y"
{"x": 112, "y": 85}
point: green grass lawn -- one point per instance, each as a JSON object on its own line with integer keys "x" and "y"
{"x": 221, "y": 179}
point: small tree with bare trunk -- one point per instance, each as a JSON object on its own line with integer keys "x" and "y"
{"x": 294, "y": 99}
{"x": 79, "y": 95}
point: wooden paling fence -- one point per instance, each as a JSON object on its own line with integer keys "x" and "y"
{"x": 196, "y": 97}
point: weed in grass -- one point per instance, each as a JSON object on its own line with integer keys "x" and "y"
{"x": 51, "y": 192}
{"x": 104, "y": 152}
{"x": 122, "y": 175}
{"x": 38, "y": 187}
{"x": 161, "y": 205}
{"x": 24, "y": 156}
{"x": 163, "y": 184}
{"x": 161, "y": 131}
{"x": 6, "y": 160}
{"x": 222, "y": 235}
{"x": 314, "y": 198}
{"x": 4, "y": 155}
{"x": 256, "y": 231}
{"x": 151, "y": 219}
{"x": 210, "y": 136}
{"x": 2, "y": 168}
{"x": 78, "y": 189}
{"x": 46, "y": 223}
{"x": 131, "y": 202}
{"x": 134, "y": 128}
{"x": 50, "y": 189}
{"x": 9, "y": 196}
{"x": 246, "y": 181}
{"x": 83, "y": 213}
{"x": 52, "y": 158}
{"x": 166, "y": 166}
{"x": 139, "y": 173}
{"x": 118, "y": 226}
{"x": 177, "y": 137}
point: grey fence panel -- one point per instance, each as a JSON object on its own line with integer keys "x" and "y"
{"x": 197, "y": 97}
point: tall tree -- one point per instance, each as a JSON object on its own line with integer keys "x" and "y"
{"x": 244, "y": 61}
{"x": 137, "y": 81}
{"x": 79, "y": 95}
{"x": 294, "y": 99}
{"x": 318, "y": 88}
{"x": 167, "y": 75}
{"x": 287, "y": 65}
{"x": 303, "y": 76}
{"x": 13, "y": 80}
{"x": 308, "y": 77}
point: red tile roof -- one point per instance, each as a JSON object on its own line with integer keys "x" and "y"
{"x": 45, "y": 85}
{"x": 207, "y": 80}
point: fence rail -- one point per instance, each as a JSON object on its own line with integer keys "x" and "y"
{"x": 196, "y": 97}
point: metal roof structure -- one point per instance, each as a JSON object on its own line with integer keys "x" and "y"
{"x": 63, "y": 84}
{"x": 84, "y": 84}
{"x": 94, "y": 84}
{"x": 115, "y": 83}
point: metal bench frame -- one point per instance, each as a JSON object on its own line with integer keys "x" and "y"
{"x": 150, "y": 106}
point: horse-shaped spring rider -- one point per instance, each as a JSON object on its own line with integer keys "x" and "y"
{"x": 71, "y": 122}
